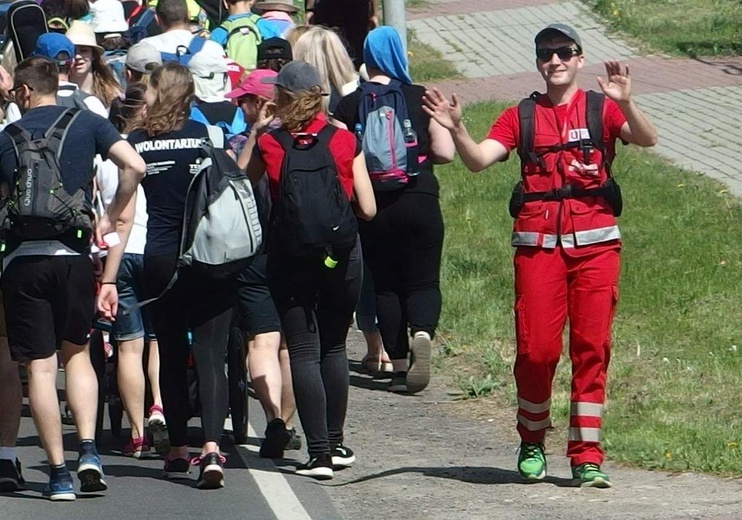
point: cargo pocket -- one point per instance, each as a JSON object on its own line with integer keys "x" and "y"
{"x": 521, "y": 331}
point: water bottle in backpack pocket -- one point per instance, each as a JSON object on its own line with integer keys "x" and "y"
{"x": 388, "y": 141}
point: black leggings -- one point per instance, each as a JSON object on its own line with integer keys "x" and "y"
{"x": 402, "y": 247}
{"x": 205, "y": 308}
{"x": 316, "y": 306}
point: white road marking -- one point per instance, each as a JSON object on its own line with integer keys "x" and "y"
{"x": 273, "y": 485}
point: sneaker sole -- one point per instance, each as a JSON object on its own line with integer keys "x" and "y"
{"x": 212, "y": 478}
{"x": 418, "y": 376}
{"x": 343, "y": 462}
{"x": 62, "y": 497}
{"x": 160, "y": 438}
{"x": 91, "y": 479}
{"x": 177, "y": 475}
{"x": 317, "y": 473}
{"x": 598, "y": 483}
{"x": 532, "y": 479}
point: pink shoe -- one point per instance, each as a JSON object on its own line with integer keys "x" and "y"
{"x": 158, "y": 429}
{"x": 137, "y": 448}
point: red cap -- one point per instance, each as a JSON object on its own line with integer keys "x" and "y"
{"x": 259, "y": 82}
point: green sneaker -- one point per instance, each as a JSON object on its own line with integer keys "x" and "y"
{"x": 532, "y": 461}
{"x": 589, "y": 475}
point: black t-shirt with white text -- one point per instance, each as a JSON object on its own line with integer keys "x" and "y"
{"x": 171, "y": 160}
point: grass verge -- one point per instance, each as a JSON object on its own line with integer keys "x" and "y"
{"x": 426, "y": 63}
{"x": 673, "y": 399}
{"x": 686, "y": 27}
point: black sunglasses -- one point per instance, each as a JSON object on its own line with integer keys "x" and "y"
{"x": 563, "y": 53}
{"x": 14, "y": 90}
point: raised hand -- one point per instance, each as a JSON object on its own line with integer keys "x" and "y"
{"x": 618, "y": 85}
{"x": 265, "y": 116}
{"x": 447, "y": 114}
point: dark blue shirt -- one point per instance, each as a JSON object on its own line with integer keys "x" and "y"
{"x": 88, "y": 135}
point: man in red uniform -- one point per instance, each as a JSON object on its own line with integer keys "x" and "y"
{"x": 568, "y": 243}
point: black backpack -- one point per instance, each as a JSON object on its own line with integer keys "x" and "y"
{"x": 313, "y": 217}
{"x": 39, "y": 207}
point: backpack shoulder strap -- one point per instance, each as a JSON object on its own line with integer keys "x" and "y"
{"x": 594, "y": 117}
{"x": 325, "y": 135}
{"x": 57, "y": 133}
{"x": 526, "y": 125}
{"x": 216, "y": 136}
{"x": 197, "y": 43}
{"x": 284, "y": 138}
{"x": 18, "y": 137}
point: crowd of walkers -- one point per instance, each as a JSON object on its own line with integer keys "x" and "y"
{"x": 109, "y": 120}
{"x": 120, "y": 99}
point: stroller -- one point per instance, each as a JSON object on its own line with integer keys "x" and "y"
{"x": 105, "y": 368}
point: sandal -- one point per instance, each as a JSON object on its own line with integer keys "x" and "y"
{"x": 376, "y": 365}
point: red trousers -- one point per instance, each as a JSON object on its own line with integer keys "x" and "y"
{"x": 550, "y": 287}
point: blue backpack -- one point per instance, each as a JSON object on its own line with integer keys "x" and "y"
{"x": 184, "y": 54}
{"x": 382, "y": 113}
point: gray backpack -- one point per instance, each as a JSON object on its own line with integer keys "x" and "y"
{"x": 221, "y": 225}
{"x": 39, "y": 207}
{"x": 74, "y": 100}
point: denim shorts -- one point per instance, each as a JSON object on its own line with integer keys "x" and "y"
{"x": 129, "y": 283}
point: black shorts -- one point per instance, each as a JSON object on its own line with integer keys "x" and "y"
{"x": 257, "y": 312}
{"x": 48, "y": 299}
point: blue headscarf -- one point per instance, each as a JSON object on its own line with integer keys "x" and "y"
{"x": 383, "y": 50}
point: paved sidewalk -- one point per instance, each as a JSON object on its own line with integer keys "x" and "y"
{"x": 695, "y": 104}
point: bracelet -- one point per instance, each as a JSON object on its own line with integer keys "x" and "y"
{"x": 108, "y": 283}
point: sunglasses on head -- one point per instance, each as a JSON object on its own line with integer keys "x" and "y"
{"x": 563, "y": 53}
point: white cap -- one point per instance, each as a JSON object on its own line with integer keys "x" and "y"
{"x": 108, "y": 17}
{"x": 209, "y": 69}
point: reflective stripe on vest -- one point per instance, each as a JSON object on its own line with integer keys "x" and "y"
{"x": 580, "y": 238}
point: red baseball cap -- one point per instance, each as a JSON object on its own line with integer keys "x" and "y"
{"x": 259, "y": 82}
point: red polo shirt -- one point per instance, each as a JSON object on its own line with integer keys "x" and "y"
{"x": 344, "y": 148}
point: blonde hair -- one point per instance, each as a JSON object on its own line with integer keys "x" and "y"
{"x": 324, "y": 49}
{"x": 296, "y": 33}
{"x": 296, "y": 109}
{"x": 174, "y": 91}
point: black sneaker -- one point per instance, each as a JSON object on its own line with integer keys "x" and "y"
{"x": 319, "y": 467}
{"x": 9, "y": 476}
{"x": 276, "y": 439}
{"x": 178, "y": 468}
{"x": 342, "y": 456}
{"x": 398, "y": 384}
{"x": 295, "y": 440}
{"x": 211, "y": 475}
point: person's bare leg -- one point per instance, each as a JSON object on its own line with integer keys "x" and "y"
{"x": 130, "y": 377}
{"x": 265, "y": 371}
{"x": 374, "y": 345}
{"x": 42, "y": 397}
{"x": 288, "y": 404}
{"x": 153, "y": 372}
{"x": 81, "y": 384}
{"x": 11, "y": 397}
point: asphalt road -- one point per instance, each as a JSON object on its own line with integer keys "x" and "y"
{"x": 255, "y": 488}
